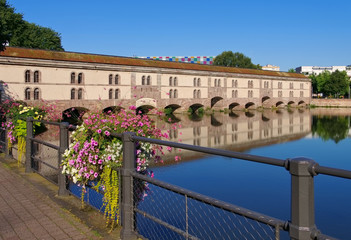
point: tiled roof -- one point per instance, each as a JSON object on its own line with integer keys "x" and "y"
{"x": 105, "y": 59}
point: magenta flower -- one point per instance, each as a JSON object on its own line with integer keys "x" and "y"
{"x": 107, "y": 133}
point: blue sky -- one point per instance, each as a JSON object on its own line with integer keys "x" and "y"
{"x": 284, "y": 33}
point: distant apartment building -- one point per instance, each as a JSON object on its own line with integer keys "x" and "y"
{"x": 207, "y": 60}
{"x": 309, "y": 70}
{"x": 270, "y": 67}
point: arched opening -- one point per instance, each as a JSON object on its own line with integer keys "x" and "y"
{"x": 112, "y": 109}
{"x": 279, "y": 104}
{"x": 233, "y": 106}
{"x": 144, "y": 109}
{"x": 171, "y": 108}
{"x": 265, "y": 98}
{"x": 215, "y": 100}
{"x": 249, "y": 105}
{"x": 301, "y": 103}
{"x": 291, "y": 103}
{"x": 73, "y": 115}
{"x": 195, "y": 107}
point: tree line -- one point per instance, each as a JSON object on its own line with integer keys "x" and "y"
{"x": 335, "y": 84}
{"x": 16, "y": 32}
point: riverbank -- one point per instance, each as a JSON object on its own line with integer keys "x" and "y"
{"x": 337, "y": 103}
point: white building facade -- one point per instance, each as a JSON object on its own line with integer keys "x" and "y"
{"x": 309, "y": 70}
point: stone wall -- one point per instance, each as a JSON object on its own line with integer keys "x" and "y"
{"x": 331, "y": 102}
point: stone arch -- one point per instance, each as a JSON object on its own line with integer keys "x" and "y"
{"x": 215, "y": 100}
{"x": 234, "y": 105}
{"x": 279, "y": 104}
{"x": 265, "y": 98}
{"x": 113, "y": 109}
{"x": 146, "y": 102}
{"x": 249, "y": 105}
{"x": 301, "y": 103}
{"x": 173, "y": 107}
{"x": 74, "y": 115}
{"x": 291, "y": 103}
{"x": 144, "y": 109}
{"x": 195, "y": 107}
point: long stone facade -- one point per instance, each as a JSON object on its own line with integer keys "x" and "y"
{"x": 77, "y": 80}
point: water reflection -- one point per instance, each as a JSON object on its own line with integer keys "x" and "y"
{"x": 335, "y": 128}
{"x": 240, "y": 131}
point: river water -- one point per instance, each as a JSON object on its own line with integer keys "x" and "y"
{"x": 323, "y": 135}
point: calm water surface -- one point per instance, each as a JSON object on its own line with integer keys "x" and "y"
{"x": 320, "y": 134}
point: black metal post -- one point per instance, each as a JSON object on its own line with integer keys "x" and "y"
{"x": 129, "y": 165}
{"x": 29, "y": 145}
{"x": 302, "y": 224}
{"x": 64, "y": 137}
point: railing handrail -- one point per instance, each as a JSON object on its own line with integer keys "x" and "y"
{"x": 314, "y": 169}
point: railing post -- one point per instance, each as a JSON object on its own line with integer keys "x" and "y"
{"x": 29, "y": 145}
{"x": 129, "y": 165}
{"x": 64, "y": 138}
{"x": 302, "y": 224}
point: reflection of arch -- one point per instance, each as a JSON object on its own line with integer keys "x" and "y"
{"x": 265, "y": 119}
{"x": 265, "y": 98}
{"x": 279, "y": 103}
{"x": 171, "y": 118}
{"x": 215, "y": 100}
{"x": 249, "y": 105}
{"x": 249, "y": 114}
{"x": 233, "y": 115}
{"x": 233, "y": 105}
{"x": 278, "y": 111}
{"x": 195, "y": 107}
{"x": 73, "y": 115}
{"x": 173, "y": 107}
{"x": 112, "y": 109}
{"x": 215, "y": 122}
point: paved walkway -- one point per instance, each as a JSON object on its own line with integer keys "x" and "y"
{"x": 26, "y": 213}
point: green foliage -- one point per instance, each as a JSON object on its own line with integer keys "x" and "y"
{"x": 168, "y": 111}
{"x": 230, "y": 59}
{"x": 20, "y": 33}
{"x": 109, "y": 182}
{"x": 331, "y": 127}
{"x": 291, "y": 70}
{"x": 331, "y": 84}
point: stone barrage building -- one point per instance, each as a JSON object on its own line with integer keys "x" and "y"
{"x": 89, "y": 81}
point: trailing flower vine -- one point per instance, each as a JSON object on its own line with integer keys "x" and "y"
{"x": 94, "y": 155}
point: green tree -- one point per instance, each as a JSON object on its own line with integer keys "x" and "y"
{"x": 322, "y": 79}
{"x": 11, "y": 23}
{"x": 19, "y": 33}
{"x": 313, "y": 78}
{"x": 230, "y": 59}
{"x": 337, "y": 85}
{"x": 291, "y": 70}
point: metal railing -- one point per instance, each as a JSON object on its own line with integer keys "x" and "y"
{"x": 301, "y": 225}
{"x": 184, "y": 214}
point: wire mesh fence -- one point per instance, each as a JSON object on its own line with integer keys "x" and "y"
{"x": 45, "y": 153}
{"x": 165, "y": 214}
